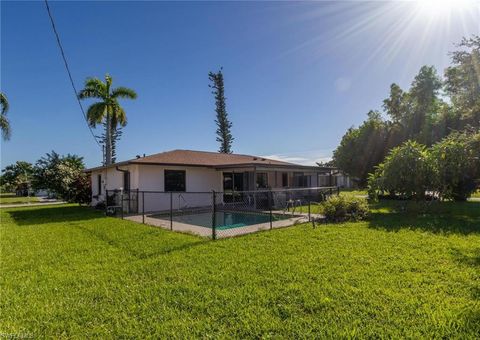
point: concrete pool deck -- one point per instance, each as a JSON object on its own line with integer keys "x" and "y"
{"x": 152, "y": 220}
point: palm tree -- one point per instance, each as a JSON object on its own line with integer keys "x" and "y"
{"x": 4, "y": 123}
{"x": 108, "y": 109}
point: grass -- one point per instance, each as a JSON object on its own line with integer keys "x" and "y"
{"x": 11, "y": 198}
{"x": 70, "y": 272}
{"x": 355, "y": 192}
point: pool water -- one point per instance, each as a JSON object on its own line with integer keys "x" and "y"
{"x": 226, "y": 220}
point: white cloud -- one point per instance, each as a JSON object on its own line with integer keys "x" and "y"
{"x": 299, "y": 160}
{"x": 310, "y": 157}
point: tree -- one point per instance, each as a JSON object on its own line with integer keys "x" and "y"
{"x": 463, "y": 81}
{"x": 16, "y": 177}
{"x": 406, "y": 171}
{"x": 63, "y": 175}
{"x": 395, "y": 104}
{"x": 108, "y": 109}
{"x": 116, "y": 134}
{"x": 419, "y": 113}
{"x": 362, "y": 148}
{"x": 455, "y": 162}
{"x": 424, "y": 105}
{"x": 224, "y": 135}
{"x": 4, "y": 123}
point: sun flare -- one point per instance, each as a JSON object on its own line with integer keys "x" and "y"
{"x": 442, "y": 8}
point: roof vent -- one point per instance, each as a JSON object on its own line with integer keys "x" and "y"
{"x": 137, "y": 156}
{"x": 255, "y": 158}
{"x": 263, "y": 159}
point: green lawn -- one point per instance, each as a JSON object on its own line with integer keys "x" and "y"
{"x": 70, "y": 272}
{"x": 355, "y": 192}
{"x": 9, "y": 198}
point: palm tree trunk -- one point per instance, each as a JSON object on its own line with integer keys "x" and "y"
{"x": 108, "y": 146}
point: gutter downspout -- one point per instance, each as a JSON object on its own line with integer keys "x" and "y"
{"x": 123, "y": 190}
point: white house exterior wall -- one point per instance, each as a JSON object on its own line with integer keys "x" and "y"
{"x": 151, "y": 178}
{"x": 198, "y": 179}
{"x": 111, "y": 179}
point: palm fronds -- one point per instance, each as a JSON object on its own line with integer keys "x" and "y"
{"x": 5, "y": 127}
{"x": 4, "y": 123}
{"x": 108, "y": 110}
{"x": 124, "y": 92}
{"x": 96, "y": 113}
{"x": 4, "y": 103}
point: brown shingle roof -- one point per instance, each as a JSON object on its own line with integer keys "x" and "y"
{"x": 207, "y": 159}
{"x": 204, "y": 158}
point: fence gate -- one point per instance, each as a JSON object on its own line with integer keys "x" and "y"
{"x": 130, "y": 202}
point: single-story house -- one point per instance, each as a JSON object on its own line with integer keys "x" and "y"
{"x": 199, "y": 171}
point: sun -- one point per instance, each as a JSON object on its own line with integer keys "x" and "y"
{"x": 443, "y": 8}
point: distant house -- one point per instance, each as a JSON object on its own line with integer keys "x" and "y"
{"x": 198, "y": 171}
{"x": 335, "y": 177}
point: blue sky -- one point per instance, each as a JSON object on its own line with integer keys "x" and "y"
{"x": 297, "y": 75}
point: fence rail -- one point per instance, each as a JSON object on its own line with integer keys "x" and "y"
{"x": 218, "y": 214}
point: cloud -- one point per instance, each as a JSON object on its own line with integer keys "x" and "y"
{"x": 310, "y": 157}
{"x": 343, "y": 84}
{"x": 298, "y": 160}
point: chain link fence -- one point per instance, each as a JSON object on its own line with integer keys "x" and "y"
{"x": 219, "y": 214}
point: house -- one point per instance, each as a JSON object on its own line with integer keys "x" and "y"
{"x": 335, "y": 177}
{"x": 189, "y": 171}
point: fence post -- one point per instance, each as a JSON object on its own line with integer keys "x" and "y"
{"x": 270, "y": 208}
{"x": 309, "y": 212}
{"x": 171, "y": 210}
{"x": 138, "y": 197}
{"x": 106, "y": 202}
{"x": 121, "y": 203}
{"x": 214, "y": 210}
{"x": 143, "y": 207}
{"x": 338, "y": 191}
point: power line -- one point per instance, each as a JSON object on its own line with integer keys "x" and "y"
{"x": 68, "y": 71}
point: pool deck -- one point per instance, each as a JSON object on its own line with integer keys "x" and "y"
{"x": 221, "y": 233}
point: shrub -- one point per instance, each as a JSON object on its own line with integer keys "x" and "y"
{"x": 407, "y": 172}
{"x": 81, "y": 189}
{"x": 64, "y": 176}
{"x": 455, "y": 162}
{"x": 345, "y": 208}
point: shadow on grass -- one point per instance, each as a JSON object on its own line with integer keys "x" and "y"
{"x": 52, "y": 214}
{"x": 471, "y": 259}
{"x": 133, "y": 243}
{"x": 438, "y": 217}
{"x": 467, "y": 259}
{"x": 136, "y": 247}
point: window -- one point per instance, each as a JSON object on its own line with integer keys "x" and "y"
{"x": 285, "y": 179}
{"x": 227, "y": 181}
{"x": 175, "y": 180}
{"x": 233, "y": 181}
{"x": 126, "y": 181}
{"x": 99, "y": 184}
{"x": 300, "y": 180}
{"x": 262, "y": 181}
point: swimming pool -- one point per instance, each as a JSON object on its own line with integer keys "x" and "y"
{"x": 226, "y": 219}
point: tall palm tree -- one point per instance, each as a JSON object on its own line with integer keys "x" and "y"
{"x": 106, "y": 110}
{"x": 4, "y": 123}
